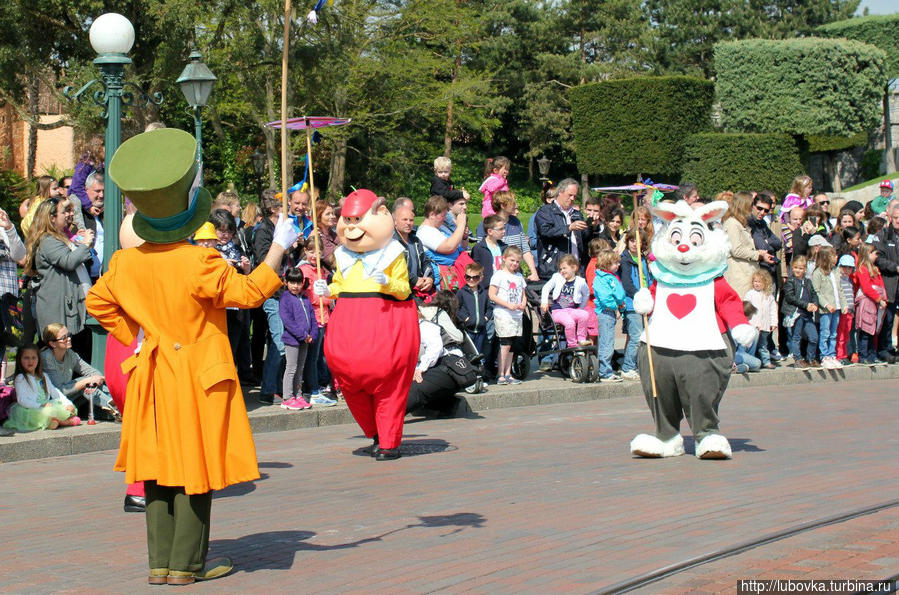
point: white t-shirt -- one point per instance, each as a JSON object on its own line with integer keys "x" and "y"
{"x": 509, "y": 288}
{"x": 430, "y": 237}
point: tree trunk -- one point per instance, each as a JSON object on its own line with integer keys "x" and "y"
{"x": 217, "y": 124}
{"x": 888, "y": 134}
{"x": 531, "y": 168}
{"x": 33, "y": 112}
{"x": 450, "y": 105}
{"x": 337, "y": 177}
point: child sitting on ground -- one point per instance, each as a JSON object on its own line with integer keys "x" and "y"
{"x": 300, "y": 329}
{"x": 609, "y": 295}
{"x": 507, "y": 293}
{"x": 39, "y": 405}
{"x": 761, "y": 296}
{"x": 441, "y": 184}
{"x": 569, "y": 294}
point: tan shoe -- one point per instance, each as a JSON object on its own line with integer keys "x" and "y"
{"x": 213, "y": 569}
{"x": 158, "y": 576}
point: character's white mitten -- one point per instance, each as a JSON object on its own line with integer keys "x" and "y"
{"x": 744, "y": 334}
{"x": 379, "y": 277}
{"x": 285, "y": 233}
{"x": 643, "y": 302}
{"x": 320, "y": 287}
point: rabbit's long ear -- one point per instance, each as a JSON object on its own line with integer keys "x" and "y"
{"x": 669, "y": 212}
{"x": 713, "y": 211}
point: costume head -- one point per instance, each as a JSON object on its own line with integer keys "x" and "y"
{"x": 159, "y": 173}
{"x": 365, "y": 224}
{"x": 693, "y": 247}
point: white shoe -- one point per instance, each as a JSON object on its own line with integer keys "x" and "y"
{"x": 612, "y": 378}
{"x": 645, "y": 445}
{"x": 630, "y": 375}
{"x": 714, "y": 446}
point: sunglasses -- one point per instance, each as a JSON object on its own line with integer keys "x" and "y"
{"x": 762, "y": 209}
{"x": 63, "y": 338}
{"x": 824, "y": 202}
{"x": 472, "y": 277}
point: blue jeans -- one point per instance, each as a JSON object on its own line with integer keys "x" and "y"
{"x": 804, "y": 325}
{"x": 827, "y": 333}
{"x": 760, "y": 347}
{"x": 271, "y": 381}
{"x": 742, "y": 356}
{"x": 633, "y": 327}
{"x": 312, "y": 376}
{"x": 605, "y": 342}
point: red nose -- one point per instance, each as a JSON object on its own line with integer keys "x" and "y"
{"x": 683, "y": 247}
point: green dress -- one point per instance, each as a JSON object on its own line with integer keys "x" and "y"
{"x": 35, "y": 406}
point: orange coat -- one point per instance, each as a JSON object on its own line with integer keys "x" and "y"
{"x": 185, "y": 423}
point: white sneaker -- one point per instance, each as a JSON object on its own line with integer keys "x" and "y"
{"x": 630, "y": 375}
{"x": 612, "y": 378}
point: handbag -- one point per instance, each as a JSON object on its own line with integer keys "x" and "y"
{"x": 460, "y": 369}
{"x": 11, "y": 315}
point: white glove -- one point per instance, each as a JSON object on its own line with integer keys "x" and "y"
{"x": 379, "y": 277}
{"x": 744, "y": 334}
{"x": 643, "y": 302}
{"x": 285, "y": 233}
{"x": 320, "y": 287}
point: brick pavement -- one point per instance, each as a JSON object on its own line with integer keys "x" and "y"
{"x": 527, "y": 499}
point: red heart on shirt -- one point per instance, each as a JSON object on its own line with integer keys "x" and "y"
{"x": 681, "y": 305}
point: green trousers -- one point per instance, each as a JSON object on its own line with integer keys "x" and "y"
{"x": 177, "y": 527}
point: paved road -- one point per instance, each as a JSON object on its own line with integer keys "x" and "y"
{"x": 528, "y": 499}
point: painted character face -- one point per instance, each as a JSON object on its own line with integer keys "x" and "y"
{"x": 692, "y": 245}
{"x": 371, "y": 231}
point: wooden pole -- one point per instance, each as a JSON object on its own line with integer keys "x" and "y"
{"x": 284, "y": 108}
{"x": 318, "y": 258}
{"x": 652, "y": 371}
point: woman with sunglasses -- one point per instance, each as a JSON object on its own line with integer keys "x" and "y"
{"x": 78, "y": 380}
{"x": 59, "y": 262}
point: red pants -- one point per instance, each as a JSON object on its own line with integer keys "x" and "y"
{"x": 843, "y": 329}
{"x": 371, "y": 347}
{"x": 117, "y": 382}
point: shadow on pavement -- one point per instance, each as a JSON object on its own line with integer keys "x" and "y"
{"x": 276, "y": 550}
{"x": 414, "y": 448}
{"x": 736, "y": 445}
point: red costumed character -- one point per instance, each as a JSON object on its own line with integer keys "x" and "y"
{"x": 372, "y": 340}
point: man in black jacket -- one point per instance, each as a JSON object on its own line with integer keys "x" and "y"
{"x": 763, "y": 237}
{"x": 560, "y": 230}
{"x": 886, "y": 242}
{"x": 421, "y": 275}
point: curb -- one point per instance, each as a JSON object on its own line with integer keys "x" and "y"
{"x": 544, "y": 390}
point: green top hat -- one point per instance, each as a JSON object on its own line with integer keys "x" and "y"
{"x": 159, "y": 173}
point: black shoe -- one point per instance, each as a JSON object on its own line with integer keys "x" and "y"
{"x": 387, "y": 454}
{"x": 135, "y": 504}
{"x": 267, "y": 399}
{"x": 374, "y": 447}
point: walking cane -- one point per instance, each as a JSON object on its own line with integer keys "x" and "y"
{"x": 286, "y": 44}
{"x": 652, "y": 372}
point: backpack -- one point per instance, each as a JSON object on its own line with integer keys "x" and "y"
{"x": 12, "y": 316}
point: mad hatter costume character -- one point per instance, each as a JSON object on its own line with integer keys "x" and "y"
{"x": 185, "y": 430}
{"x": 372, "y": 340}
{"x": 692, "y": 308}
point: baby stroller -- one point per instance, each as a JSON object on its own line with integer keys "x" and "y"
{"x": 576, "y": 362}
{"x": 476, "y": 359}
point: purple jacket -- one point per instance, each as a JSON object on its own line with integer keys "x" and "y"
{"x": 298, "y": 318}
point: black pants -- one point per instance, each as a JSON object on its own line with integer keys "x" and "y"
{"x": 437, "y": 391}
{"x": 885, "y": 336}
{"x": 257, "y": 342}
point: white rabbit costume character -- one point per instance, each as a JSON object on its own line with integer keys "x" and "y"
{"x": 691, "y": 308}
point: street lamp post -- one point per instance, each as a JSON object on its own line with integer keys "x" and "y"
{"x": 111, "y": 36}
{"x": 196, "y": 82}
{"x": 259, "y": 170}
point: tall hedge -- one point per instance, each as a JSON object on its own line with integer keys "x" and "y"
{"x": 879, "y": 30}
{"x": 807, "y": 86}
{"x": 740, "y": 161}
{"x": 638, "y": 125}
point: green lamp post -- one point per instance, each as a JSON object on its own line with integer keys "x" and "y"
{"x": 196, "y": 82}
{"x": 111, "y": 36}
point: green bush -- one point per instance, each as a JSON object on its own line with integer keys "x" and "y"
{"x": 638, "y": 125}
{"x": 13, "y": 190}
{"x": 807, "y": 86}
{"x": 820, "y": 143}
{"x": 740, "y": 161}
{"x": 878, "y": 30}
{"x": 871, "y": 164}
